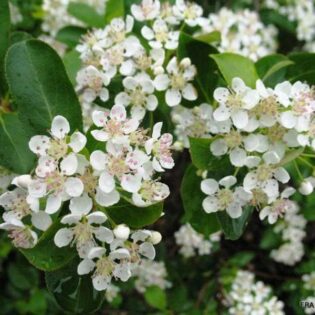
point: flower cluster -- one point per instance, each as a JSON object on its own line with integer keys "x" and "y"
{"x": 114, "y": 58}
{"x": 301, "y": 12}
{"x": 248, "y": 297}
{"x": 191, "y": 242}
{"x": 66, "y": 174}
{"x": 56, "y": 16}
{"x": 292, "y": 230}
{"x": 241, "y": 32}
{"x": 260, "y": 130}
{"x": 150, "y": 273}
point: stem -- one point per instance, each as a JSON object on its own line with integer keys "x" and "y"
{"x": 306, "y": 162}
{"x": 308, "y": 155}
{"x": 298, "y": 170}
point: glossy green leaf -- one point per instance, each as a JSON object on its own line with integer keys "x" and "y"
{"x": 73, "y": 293}
{"x": 203, "y": 159}
{"x": 4, "y": 40}
{"x": 40, "y": 86}
{"x": 86, "y": 14}
{"x": 209, "y": 38}
{"x": 19, "y": 36}
{"x": 206, "y": 78}
{"x": 114, "y": 9}
{"x": 303, "y": 68}
{"x": 192, "y": 198}
{"x": 14, "y": 137}
{"x": 272, "y": 69}
{"x": 72, "y": 63}
{"x": 234, "y": 65}
{"x": 234, "y": 228}
{"x": 273, "y": 17}
{"x": 155, "y": 297}
{"x": 70, "y": 35}
{"x": 135, "y": 217}
{"x": 46, "y": 255}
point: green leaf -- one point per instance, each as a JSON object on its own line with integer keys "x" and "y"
{"x": 70, "y": 35}
{"x": 86, "y": 14}
{"x": 5, "y": 27}
{"x": 270, "y": 239}
{"x": 192, "y": 197}
{"x": 14, "y": 137}
{"x": 241, "y": 259}
{"x": 40, "y": 87}
{"x": 234, "y": 65}
{"x": 23, "y": 276}
{"x": 273, "y": 17}
{"x": 133, "y": 216}
{"x": 114, "y": 9}
{"x": 19, "y": 36}
{"x": 73, "y": 293}
{"x": 46, "y": 255}
{"x": 272, "y": 69}
{"x": 234, "y": 228}
{"x": 72, "y": 64}
{"x": 155, "y": 297}
{"x": 209, "y": 38}
{"x": 198, "y": 51}
{"x": 203, "y": 159}
{"x": 303, "y": 68}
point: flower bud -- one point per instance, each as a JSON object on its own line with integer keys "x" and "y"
{"x": 122, "y": 231}
{"x": 306, "y": 187}
{"x": 156, "y": 237}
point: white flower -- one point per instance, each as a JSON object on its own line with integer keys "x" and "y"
{"x": 160, "y": 146}
{"x": 189, "y": 12}
{"x": 160, "y": 36}
{"x": 91, "y": 83}
{"x": 83, "y": 231}
{"x": 225, "y": 198}
{"x": 115, "y": 126}
{"x": 139, "y": 93}
{"x": 307, "y": 186}
{"x": 267, "y": 175}
{"x": 278, "y": 208}
{"x": 177, "y": 81}
{"x": 147, "y": 10}
{"x": 105, "y": 267}
{"x": 57, "y": 146}
{"x": 235, "y": 103}
{"x": 22, "y": 236}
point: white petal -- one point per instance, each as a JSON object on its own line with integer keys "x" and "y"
{"x": 282, "y": 175}
{"x": 209, "y": 186}
{"x": 60, "y": 127}
{"x": 238, "y": 157}
{"x": 106, "y": 182}
{"x": 39, "y": 144}
{"x": 99, "y": 118}
{"x": 271, "y": 157}
{"x": 240, "y": 119}
{"x": 53, "y": 204}
{"x": 131, "y": 183}
{"x": 41, "y": 220}
{"x": 234, "y": 210}
{"x": 222, "y": 113}
{"x": 107, "y": 200}
{"x": 173, "y": 97}
{"x": 81, "y": 205}
{"x": 101, "y": 283}
{"x": 147, "y": 250}
{"x": 161, "y": 82}
{"x": 118, "y": 113}
{"x": 218, "y": 147}
{"x": 288, "y": 119}
{"x": 74, "y": 187}
{"x": 77, "y": 141}
{"x": 85, "y": 267}
{"x": 71, "y": 219}
{"x": 221, "y": 94}
{"x": 97, "y": 217}
{"x": 69, "y": 164}
{"x": 238, "y": 85}
{"x": 98, "y": 160}
{"x": 210, "y": 204}
{"x": 63, "y": 237}
{"x": 189, "y": 92}
{"x": 228, "y": 181}
{"x": 104, "y": 234}
{"x": 100, "y": 135}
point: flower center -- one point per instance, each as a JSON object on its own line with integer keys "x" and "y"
{"x": 225, "y": 198}
{"x": 22, "y": 237}
{"x": 259, "y": 197}
{"x": 264, "y": 172}
{"x": 83, "y": 233}
{"x": 276, "y": 133}
{"x": 161, "y": 36}
{"x": 104, "y": 267}
{"x": 138, "y": 97}
{"x": 117, "y": 166}
{"x": 89, "y": 181}
{"x": 234, "y": 101}
{"x": 177, "y": 81}
{"x": 233, "y": 139}
{"x": 267, "y": 106}
{"x": 55, "y": 182}
{"x": 57, "y": 148}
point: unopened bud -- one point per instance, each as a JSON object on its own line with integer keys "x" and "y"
{"x": 122, "y": 231}
{"x": 306, "y": 188}
{"x": 156, "y": 237}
